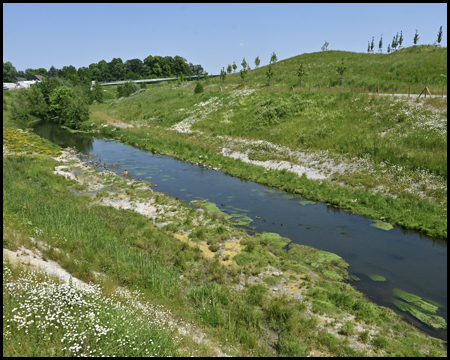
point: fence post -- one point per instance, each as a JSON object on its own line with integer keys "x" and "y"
{"x": 378, "y": 90}
{"x": 442, "y": 92}
{"x": 393, "y": 90}
{"x": 409, "y": 91}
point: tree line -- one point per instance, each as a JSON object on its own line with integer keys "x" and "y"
{"x": 397, "y": 41}
{"x": 152, "y": 67}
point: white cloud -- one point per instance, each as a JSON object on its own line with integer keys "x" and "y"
{"x": 241, "y": 44}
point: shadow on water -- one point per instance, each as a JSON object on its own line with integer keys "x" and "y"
{"x": 408, "y": 260}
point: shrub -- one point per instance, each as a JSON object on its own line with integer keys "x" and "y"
{"x": 198, "y": 88}
{"x": 126, "y": 89}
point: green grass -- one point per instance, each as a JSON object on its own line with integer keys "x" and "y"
{"x": 412, "y": 66}
{"x": 132, "y": 253}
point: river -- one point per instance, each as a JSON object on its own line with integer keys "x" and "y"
{"x": 408, "y": 260}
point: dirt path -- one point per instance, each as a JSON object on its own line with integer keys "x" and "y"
{"x": 110, "y": 120}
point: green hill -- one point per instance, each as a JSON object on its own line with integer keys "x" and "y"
{"x": 413, "y": 66}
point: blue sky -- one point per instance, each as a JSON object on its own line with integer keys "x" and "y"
{"x": 213, "y": 35}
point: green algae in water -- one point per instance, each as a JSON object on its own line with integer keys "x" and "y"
{"x": 331, "y": 265}
{"x": 416, "y": 300}
{"x": 406, "y": 296}
{"x": 182, "y": 189}
{"x": 382, "y": 225}
{"x": 306, "y": 202}
{"x": 375, "y": 277}
{"x": 434, "y": 321}
{"x": 271, "y": 191}
{"x": 290, "y": 196}
{"x": 237, "y": 209}
{"x": 354, "y": 278}
{"x": 236, "y": 219}
{"x": 206, "y": 205}
{"x": 275, "y": 240}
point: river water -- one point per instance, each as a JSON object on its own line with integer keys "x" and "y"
{"x": 408, "y": 260}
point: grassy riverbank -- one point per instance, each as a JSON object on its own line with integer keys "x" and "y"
{"x": 178, "y": 262}
{"x": 376, "y": 156}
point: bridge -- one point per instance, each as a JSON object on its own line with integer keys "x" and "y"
{"x": 152, "y": 81}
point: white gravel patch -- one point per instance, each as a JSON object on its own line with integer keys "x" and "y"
{"x": 276, "y": 165}
{"x": 33, "y": 259}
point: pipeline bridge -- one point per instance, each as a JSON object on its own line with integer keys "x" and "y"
{"x": 152, "y": 81}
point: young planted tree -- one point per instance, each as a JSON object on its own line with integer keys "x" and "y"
{"x": 243, "y": 72}
{"x": 393, "y": 45}
{"x": 269, "y": 73}
{"x": 439, "y": 36}
{"x": 273, "y": 58}
{"x": 396, "y": 41}
{"x": 257, "y": 61}
{"x": 234, "y": 66}
{"x": 341, "y": 69}
{"x": 372, "y": 44}
{"x": 400, "y": 40}
{"x": 325, "y": 46}
{"x": 389, "y": 48}
{"x": 301, "y": 72}
{"x": 368, "y": 46}
{"x": 416, "y": 38}
{"x": 380, "y": 44}
{"x": 223, "y": 74}
{"x": 229, "y": 69}
{"x": 205, "y": 76}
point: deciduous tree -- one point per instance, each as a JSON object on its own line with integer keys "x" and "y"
{"x": 9, "y": 72}
{"x": 341, "y": 68}
{"x": 234, "y": 66}
{"x": 273, "y": 58}
{"x": 243, "y": 72}
{"x": 257, "y": 61}
{"x": 301, "y": 72}
{"x": 325, "y": 46}
{"x": 223, "y": 74}
{"x": 269, "y": 73}
{"x": 416, "y": 37}
{"x": 439, "y": 35}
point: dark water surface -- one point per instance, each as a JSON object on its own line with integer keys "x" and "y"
{"x": 408, "y": 260}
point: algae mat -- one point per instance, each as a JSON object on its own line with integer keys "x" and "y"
{"x": 419, "y": 308}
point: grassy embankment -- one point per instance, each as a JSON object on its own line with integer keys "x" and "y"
{"x": 131, "y": 252}
{"x": 400, "y": 146}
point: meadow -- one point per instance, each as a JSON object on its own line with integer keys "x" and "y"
{"x": 396, "y": 168}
